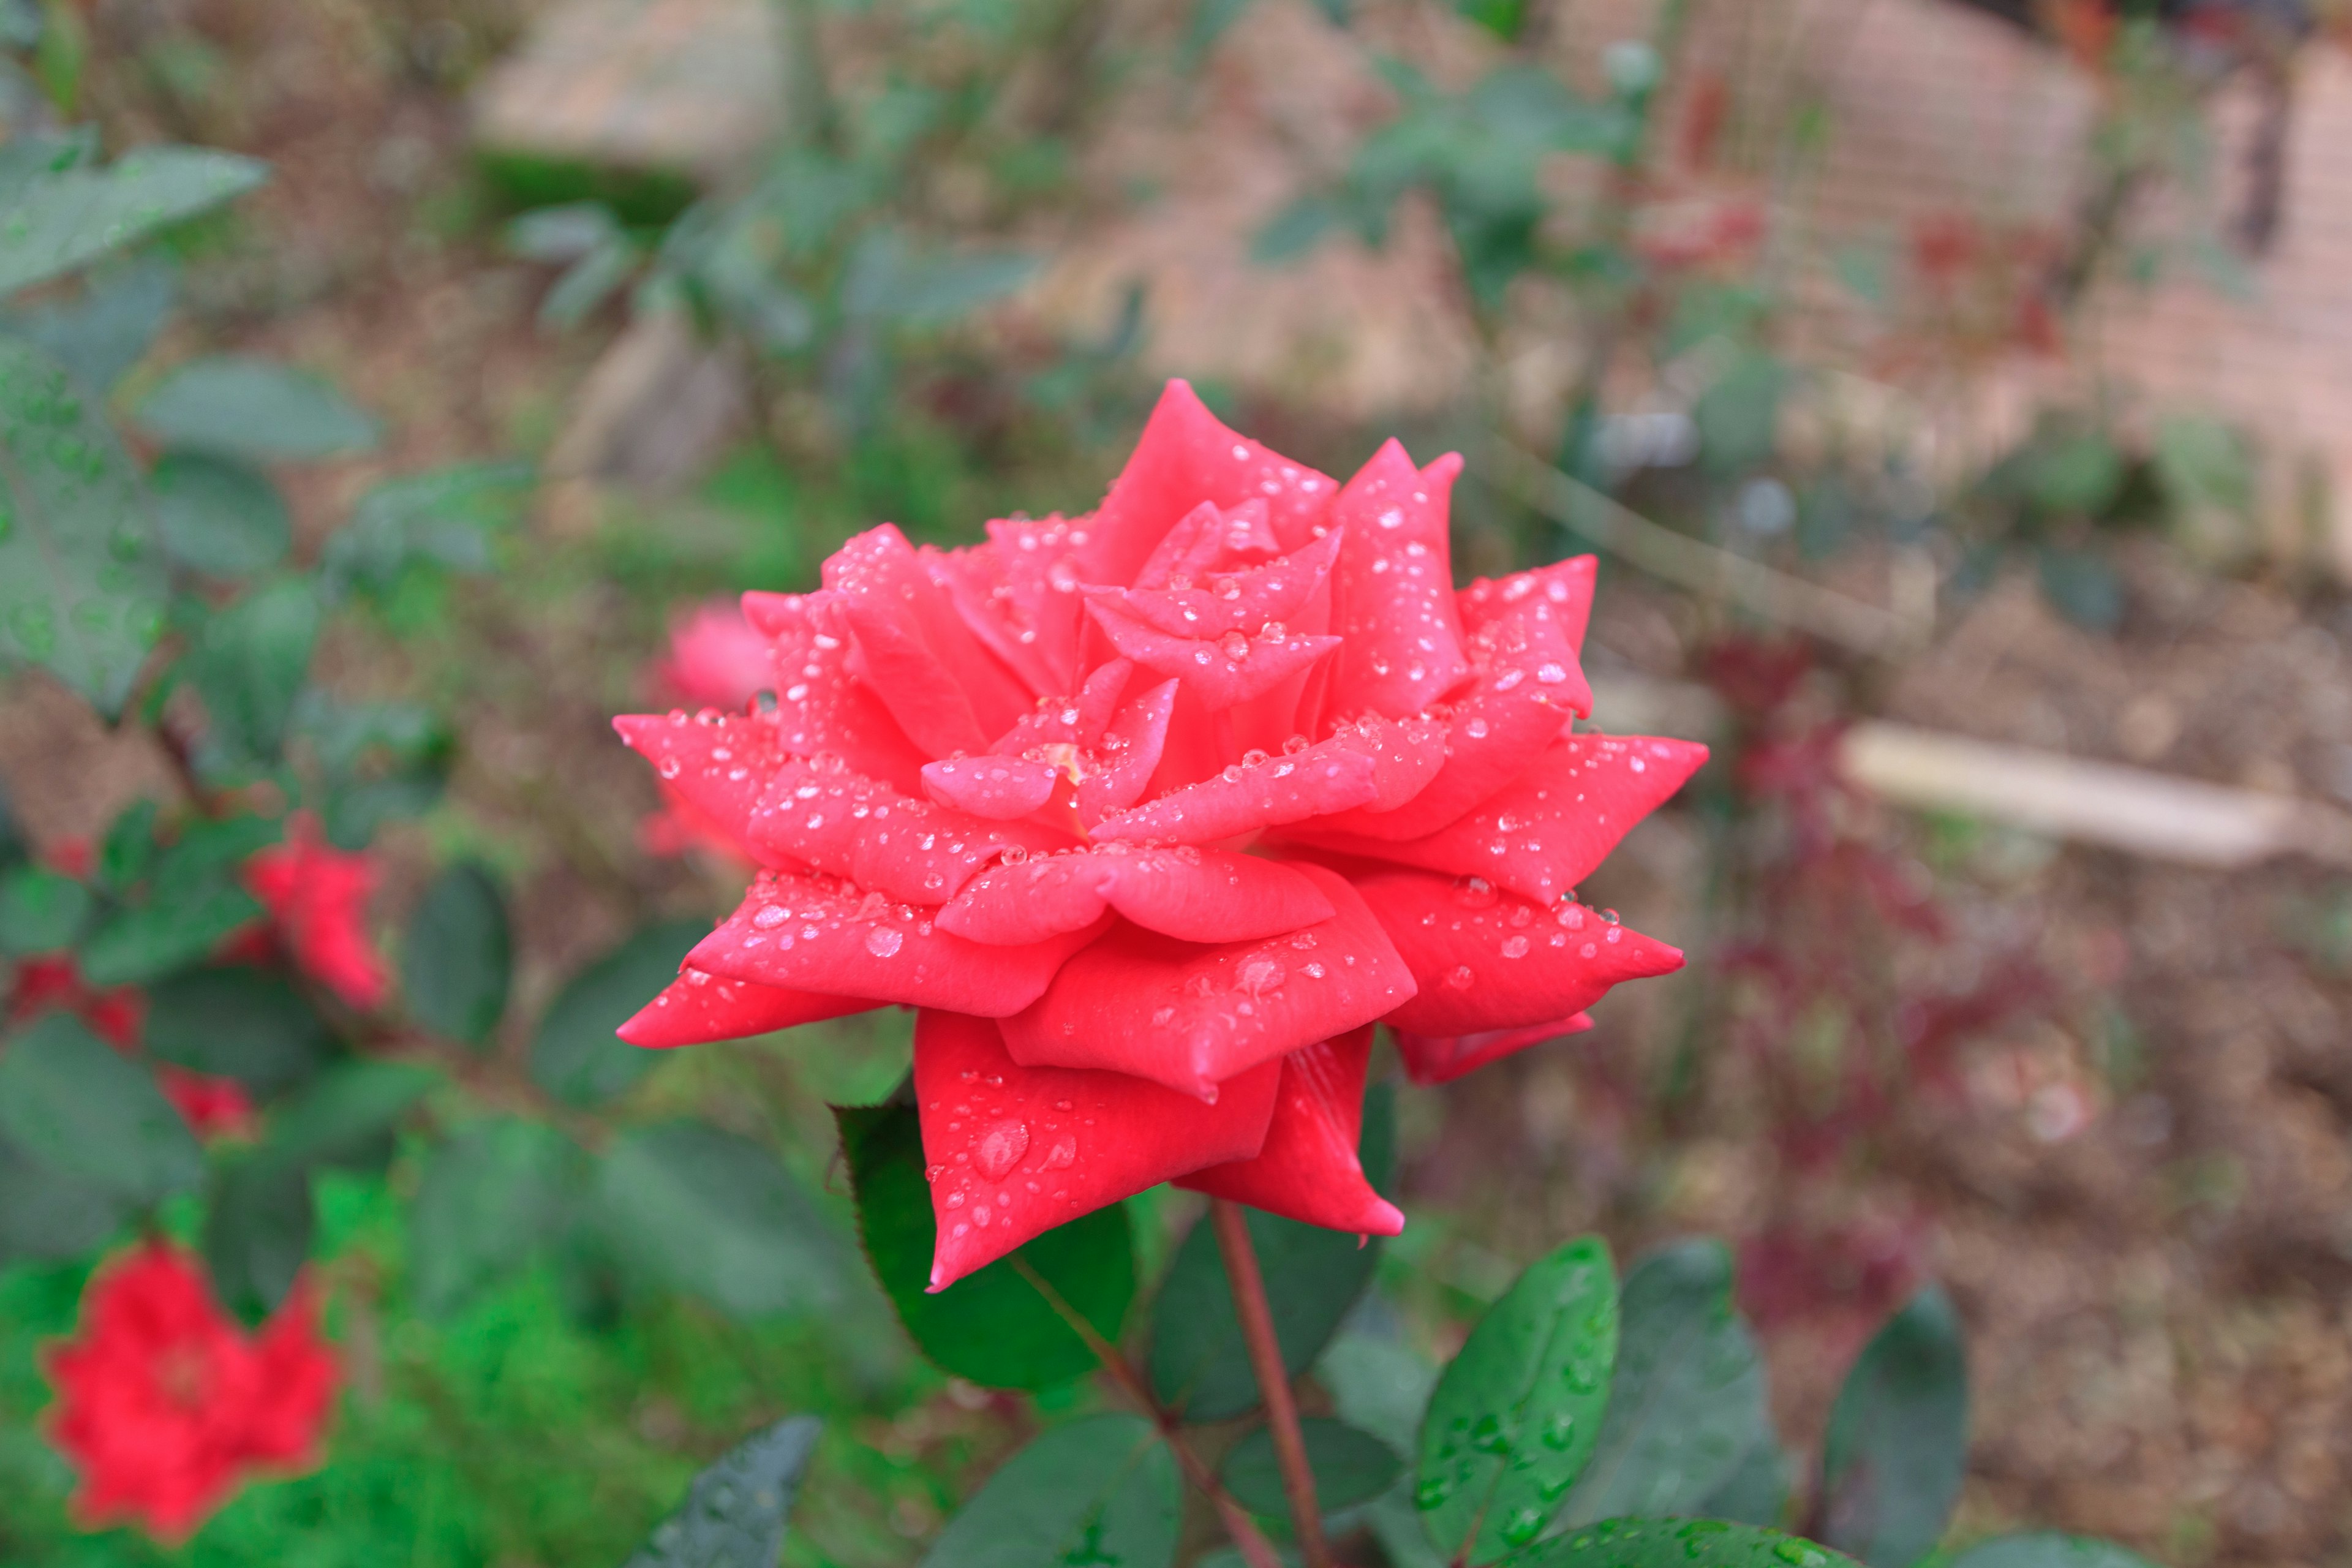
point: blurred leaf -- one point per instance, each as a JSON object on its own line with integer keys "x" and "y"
{"x": 1757, "y": 1492}
{"x": 1350, "y": 1466}
{"x": 1199, "y": 1363}
{"x": 492, "y": 1197}
{"x": 1516, "y": 1416}
{"x": 41, "y": 910}
{"x": 1208, "y": 23}
{"x": 345, "y": 733}
{"x": 356, "y": 809}
{"x": 1098, "y": 1490}
{"x": 2081, "y": 587}
{"x": 993, "y": 1326}
{"x": 1897, "y": 1444}
{"x": 77, "y": 1106}
{"x": 13, "y": 846}
{"x": 1504, "y": 18}
{"x": 586, "y": 284}
{"x": 2076, "y": 474}
{"x": 1688, "y": 1400}
{"x": 49, "y": 1216}
{"x": 217, "y": 516}
{"x": 1677, "y": 1544}
{"x": 257, "y": 1235}
{"x": 1294, "y": 230}
{"x": 237, "y": 406}
{"x": 441, "y": 518}
{"x": 129, "y": 847}
{"x": 347, "y": 1116}
{"x": 29, "y": 160}
{"x": 457, "y": 959}
{"x": 210, "y": 849}
{"x": 81, "y": 582}
{"x": 888, "y": 279}
{"x": 1379, "y": 1384}
{"x": 108, "y": 330}
{"x": 1739, "y": 416}
{"x": 565, "y": 232}
{"x": 250, "y": 662}
{"x": 575, "y": 1055}
{"x": 59, "y": 221}
{"x": 2203, "y": 462}
{"x": 736, "y": 1510}
{"x": 2048, "y": 1550}
{"x": 716, "y": 1216}
{"x": 237, "y": 1022}
{"x": 175, "y": 928}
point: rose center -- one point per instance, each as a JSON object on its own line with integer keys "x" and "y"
{"x": 181, "y": 1375}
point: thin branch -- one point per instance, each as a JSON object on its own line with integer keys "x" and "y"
{"x": 1272, "y": 1379}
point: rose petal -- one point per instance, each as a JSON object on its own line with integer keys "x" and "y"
{"x": 805, "y": 933}
{"x": 1442, "y": 1058}
{"x": 1482, "y": 960}
{"x": 1324, "y": 778}
{"x": 821, "y": 707}
{"x": 1392, "y": 593}
{"x": 1077, "y": 721}
{"x": 1565, "y": 586}
{"x": 1224, "y": 670}
{"x": 1242, "y": 599}
{"x": 1546, "y": 832}
{"x": 1127, "y": 754}
{"x": 1208, "y": 536}
{"x": 715, "y": 764}
{"x": 999, "y": 788}
{"x": 1029, "y": 900}
{"x": 863, "y": 829}
{"x": 716, "y": 659}
{"x": 699, "y": 1007}
{"x": 1194, "y": 895}
{"x": 1406, "y": 755}
{"x": 1192, "y": 1016}
{"x": 1308, "y": 1169}
{"x": 1014, "y": 1151}
{"x": 1018, "y": 594}
{"x": 948, "y": 691}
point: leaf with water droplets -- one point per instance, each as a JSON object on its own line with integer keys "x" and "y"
{"x": 1688, "y": 1401}
{"x": 81, "y": 582}
{"x": 2047, "y": 1549}
{"x": 1677, "y": 1544}
{"x": 1897, "y": 1444}
{"x": 64, "y": 219}
{"x": 993, "y": 1326}
{"x": 1102, "y": 1490}
{"x": 735, "y": 1509}
{"x": 1516, "y": 1415}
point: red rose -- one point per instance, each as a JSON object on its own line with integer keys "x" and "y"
{"x": 164, "y": 1405}
{"x": 1153, "y": 813}
{"x": 317, "y": 896}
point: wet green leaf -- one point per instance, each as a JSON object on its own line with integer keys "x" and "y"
{"x": 64, "y": 219}
{"x": 736, "y": 1512}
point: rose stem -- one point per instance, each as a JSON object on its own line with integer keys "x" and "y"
{"x": 1273, "y": 1380}
{"x": 1254, "y": 1548}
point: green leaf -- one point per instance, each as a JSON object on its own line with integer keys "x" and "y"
{"x": 1350, "y": 1466}
{"x": 237, "y": 1022}
{"x": 2081, "y": 587}
{"x": 108, "y": 330}
{"x": 77, "y": 1106}
{"x": 1688, "y": 1400}
{"x": 1757, "y": 1491}
{"x": 889, "y": 280}
{"x": 2048, "y": 1550}
{"x": 129, "y": 847}
{"x": 257, "y": 1235}
{"x": 575, "y": 1055}
{"x": 1897, "y": 1444}
{"x": 1198, "y": 1360}
{"x": 1100, "y": 1491}
{"x": 218, "y": 516}
{"x": 41, "y": 910}
{"x": 1294, "y": 230}
{"x": 716, "y": 1216}
{"x": 564, "y": 233}
{"x": 237, "y": 406}
{"x": 179, "y": 926}
{"x": 81, "y": 582}
{"x": 249, "y": 663}
{"x": 491, "y": 1199}
{"x": 993, "y": 1326}
{"x": 1739, "y": 418}
{"x": 736, "y": 1510}
{"x": 1676, "y": 1544}
{"x": 346, "y": 1117}
{"x": 586, "y": 284}
{"x": 356, "y": 809}
{"x": 49, "y": 1216}
{"x": 442, "y": 519}
{"x": 63, "y": 220}
{"x": 1516, "y": 1415}
{"x": 458, "y": 957}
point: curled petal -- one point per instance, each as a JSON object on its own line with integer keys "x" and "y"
{"x": 1224, "y": 670}
{"x": 1192, "y": 1016}
{"x": 1441, "y": 1059}
{"x": 1565, "y": 586}
{"x": 807, "y": 934}
{"x": 1324, "y": 778}
{"x": 1071, "y": 721}
{"x": 1392, "y": 596}
{"x": 1018, "y": 594}
{"x": 1127, "y": 754}
{"x": 716, "y": 658}
{"x": 1406, "y": 754}
{"x": 863, "y": 829}
{"x": 1543, "y": 834}
{"x": 699, "y": 1007}
{"x": 1207, "y": 537}
{"x": 930, "y": 706}
{"x": 1484, "y": 961}
{"x": 821, "y": 707}
{"x": 1309, "y": 1170}
{"x": 715, "y": 765}
{"x": 1193, "y": 895}
{"x": 999, "y": 788}
{"x": 943, "y": 685}
{"x": 1242, "y": 599}
{"x": 1029, "y": 900}
{"x": 1014, "y": 1151}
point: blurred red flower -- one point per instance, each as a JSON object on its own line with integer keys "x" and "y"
{"x": 165, "y": 1404}
{"x": 1153, "y": 813}
{"x": 317, "y": 896}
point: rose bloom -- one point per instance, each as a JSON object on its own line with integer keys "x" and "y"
{"x": 164, "y": 1405}
{"x": 317, "y": 896}
{"x": 1153, "y": 813}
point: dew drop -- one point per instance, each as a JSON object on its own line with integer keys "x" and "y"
{"x": 882, "y": 940}
{"x": 1001, "y": 1148}
{"x": 1460, "y": 977}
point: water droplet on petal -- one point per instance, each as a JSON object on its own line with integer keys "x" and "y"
{"x": 882, "y": 940}
{"x": 1001, "y": 1148}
